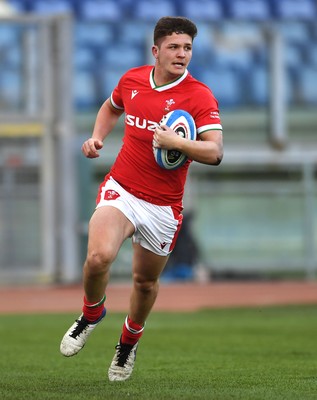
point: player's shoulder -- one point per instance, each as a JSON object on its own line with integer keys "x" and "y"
{"x": 197, "y": 85}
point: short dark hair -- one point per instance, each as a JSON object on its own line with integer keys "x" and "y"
{"x": 166, "y": 26}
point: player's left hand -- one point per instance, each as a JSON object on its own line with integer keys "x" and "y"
{"x": 165, "y": 138}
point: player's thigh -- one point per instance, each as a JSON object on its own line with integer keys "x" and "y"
{"x": 108, "y": 228}
{"x": 147, "y": 266}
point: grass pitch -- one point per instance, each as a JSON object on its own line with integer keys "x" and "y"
{"x": 258, "y": 354}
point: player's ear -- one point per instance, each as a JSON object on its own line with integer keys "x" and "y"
{"x": 155, "y": 51}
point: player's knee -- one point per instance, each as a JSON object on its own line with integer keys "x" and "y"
{"x": 98, "y": 262}
{"x": 144, "y": 285}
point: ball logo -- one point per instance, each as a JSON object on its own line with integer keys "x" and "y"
{"x": 184, "y": 125}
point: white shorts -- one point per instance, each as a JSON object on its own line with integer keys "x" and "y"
{"x": 156, "y": 227}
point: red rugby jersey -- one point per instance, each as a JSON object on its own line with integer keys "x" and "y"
{"x": 145, "y": 104}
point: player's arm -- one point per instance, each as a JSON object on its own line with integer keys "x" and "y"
{"x": 207, "y": 150}
{"x": 106, "y": 120}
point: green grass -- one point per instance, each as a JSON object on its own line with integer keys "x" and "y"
{"x": 262, "y": 353}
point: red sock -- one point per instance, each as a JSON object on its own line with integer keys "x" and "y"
{"x": 93, "y": 311}
{"x": 131, "y": 332}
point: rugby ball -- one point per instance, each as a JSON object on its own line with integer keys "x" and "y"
{"x": 183, "y": 124}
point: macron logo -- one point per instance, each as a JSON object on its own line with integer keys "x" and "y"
{"x": 163, "y": 245}
{"x": 134, "y": 93}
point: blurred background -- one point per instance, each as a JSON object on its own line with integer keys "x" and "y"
{"x": 254, "y": 216}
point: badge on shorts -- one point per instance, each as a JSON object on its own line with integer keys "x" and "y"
{"x": 111, "y": 195}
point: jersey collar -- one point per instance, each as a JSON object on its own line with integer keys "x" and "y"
{"x": 168, "y": 85}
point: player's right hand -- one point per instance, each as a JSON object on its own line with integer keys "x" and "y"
{"x": 90, "y": 147}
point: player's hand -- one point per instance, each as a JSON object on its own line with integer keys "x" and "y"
{"x": 165, "y": 138}
{"x": 90, "y": 147}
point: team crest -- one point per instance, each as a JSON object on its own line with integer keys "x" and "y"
{"x": 168, "y": 104}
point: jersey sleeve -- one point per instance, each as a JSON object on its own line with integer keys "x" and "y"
{"x": 207, "y": 116}
{"x": 116, "y": 97}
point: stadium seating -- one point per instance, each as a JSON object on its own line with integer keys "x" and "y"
{"x": 19, "y": 6}
{"x": 85, "y": 90}
{"x": 49, "y": 7}
{"x": 224, "y": 83}
{"x": 294, "y": 32}
{"x": 151, "y": 10}
{"x": 93, "y": 34}
{"x": 294, "y": 9}
{"x": 231, "y": 43}
{"x": 239, "y": 59}
{"x": 136, "y": 32}
{"x": 249, "y": 9}
{"x": 258, "y": 89}
{"x": 120, "y": 55}
{"x": 99, "y": 10}
{"x": 258, "y": 86}
{"x": 312, "y": 54}
{"x": 10, "y": 89}
{"x": 110, "y": 78}
{"x": 204, "y": 44}
{"x": 293, "y": 57}
{"x": 202, "y": 10}
{"x": 84, "y": 58}
{"x": 8, "y": 37}
{"x": 307, "y": 80}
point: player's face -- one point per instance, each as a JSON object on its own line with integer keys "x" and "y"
{"x": 173, "y": 55}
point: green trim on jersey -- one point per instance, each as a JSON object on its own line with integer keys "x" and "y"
{"x": 167, "y": 85}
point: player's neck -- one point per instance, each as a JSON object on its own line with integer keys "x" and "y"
{"x": 163, "y": 77}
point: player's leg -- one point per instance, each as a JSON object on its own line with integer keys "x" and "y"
{"x": 108, "y": 228}
{"x": 147, "y": 268}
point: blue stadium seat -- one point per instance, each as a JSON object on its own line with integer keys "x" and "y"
{"x": 152, "y": 10}
{"x": 295, "y": 32}
{"x": 135, "y": 32}
{"x": 84, "y": 58}
{"x": 243, "y": 43}
{"x": 85, "y": 90}
{"x": 224, "y": 83}
{"x": 19, "y": 5}
{"x": 203, "y": 49}
{"x": 259, "y": 86}
{"x": 293, "y": 57}
{"x": 13, "y": 58}
{"x": 10, "y": 46}
{"x": 238, "y": 44}
{"x": 10, "y": 89}
{"x": 237, "y": 32}
{"x": 202, "y": 10}
{"x": 126, "y": 7}
{"x": 249, "y": 9}
{"x": 97, "y": 10}
{"x": 122, "y": 56}
{"x": 9, "y": 36}
{"x": 312, "y": 53}
{"x": 307, "y": 80}
{"x": 295, "y": 10}
{"x": 94, "y": 34}
{"x": 51, "y": 6}
{"x": 109, "y": 80}
{"x": 238, "y": 59}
